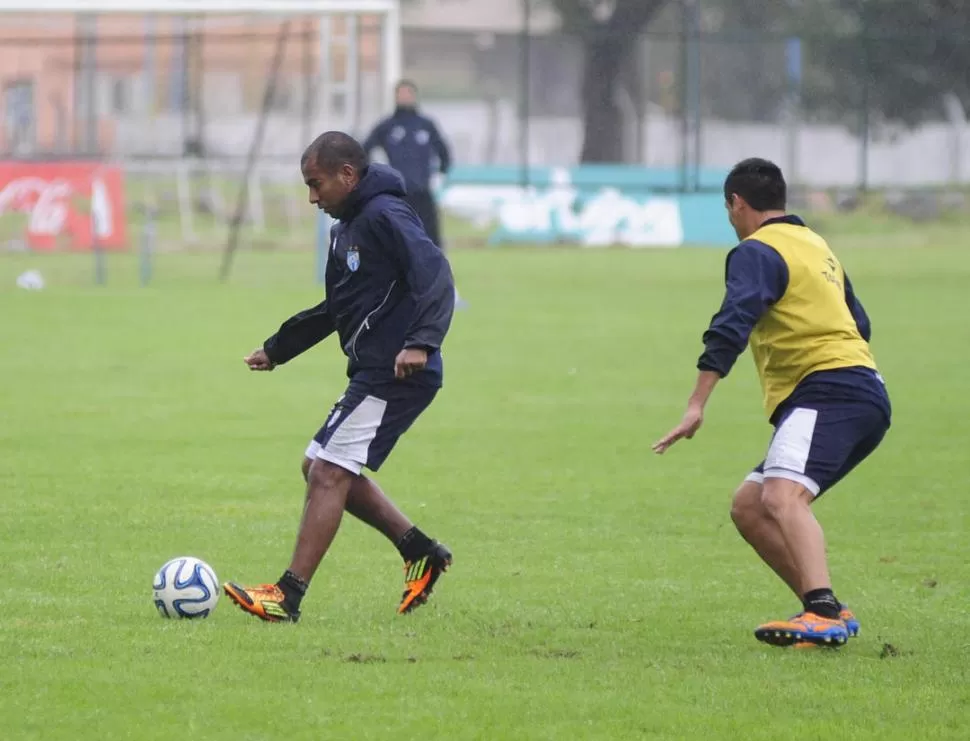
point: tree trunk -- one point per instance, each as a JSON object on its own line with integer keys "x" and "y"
{"x": 604, "y": 58}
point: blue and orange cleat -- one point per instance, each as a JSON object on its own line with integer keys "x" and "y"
{"x": 264, "y": 601}
{"x": 420, "y": 576}
{"x": 851, "y": 627}
{"x": 806, "y": 627}
{"x": 851, "y": 621}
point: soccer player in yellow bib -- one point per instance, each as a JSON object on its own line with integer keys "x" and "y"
{"x": 789, "y": 298}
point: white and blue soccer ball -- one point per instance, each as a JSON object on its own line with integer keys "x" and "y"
{"x": 185, "y": 587}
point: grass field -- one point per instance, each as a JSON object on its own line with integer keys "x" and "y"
{"x": 599, "y": 592}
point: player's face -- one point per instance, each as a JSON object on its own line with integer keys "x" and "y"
{"x": 329, "y": 190}
{"x": 406, "y": 96}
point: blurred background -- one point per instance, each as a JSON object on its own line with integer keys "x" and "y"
{"x": 587, "y": 121}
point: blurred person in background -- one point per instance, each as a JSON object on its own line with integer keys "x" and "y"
{"x": 416, "y": 149}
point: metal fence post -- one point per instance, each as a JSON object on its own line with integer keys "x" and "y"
{"x": 147, "y": 247}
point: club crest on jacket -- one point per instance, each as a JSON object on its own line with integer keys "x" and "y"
{"x": 353, "y": 259}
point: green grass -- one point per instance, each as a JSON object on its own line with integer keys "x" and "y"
{"x": 599, "y": 592}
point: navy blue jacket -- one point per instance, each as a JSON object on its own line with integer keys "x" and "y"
{"x": 412, "y": 144}
{"x": 389, "y": 287}
{"x": 756, "y": 277}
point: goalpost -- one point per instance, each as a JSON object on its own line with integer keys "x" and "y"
{"x": 313, "y": 65}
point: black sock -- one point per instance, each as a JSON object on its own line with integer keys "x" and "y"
{"x": 293, "y": 588}
{"x": 413, "y": 544}
{"x": 823, "y": 603}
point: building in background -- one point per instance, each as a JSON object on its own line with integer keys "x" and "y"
{"x": 128, "y": 84}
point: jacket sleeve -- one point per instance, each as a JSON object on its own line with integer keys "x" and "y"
{"x": 441, "y": 148}
{"x": 299, "y": 333}
{"x": 375, "y": 139}
{"x": 426, "y": 273}
{"x": 756, "y": 277}
{"x": 858, "y": 312}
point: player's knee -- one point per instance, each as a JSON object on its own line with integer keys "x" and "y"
{"x": 746, "y": 508}
{"x": 324, "y": 477}
{"x": 779, "y": 497}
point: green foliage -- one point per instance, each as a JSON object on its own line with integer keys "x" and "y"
{"x": 899, "y": 59}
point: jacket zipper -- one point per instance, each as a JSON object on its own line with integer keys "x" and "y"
{"x": 366, "y": 323}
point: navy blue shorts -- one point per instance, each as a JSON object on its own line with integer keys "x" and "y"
{"x": 818, "y": 444}
{"x": 366, "y": 422}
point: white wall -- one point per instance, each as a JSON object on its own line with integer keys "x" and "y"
{"x": 825, "y": 155}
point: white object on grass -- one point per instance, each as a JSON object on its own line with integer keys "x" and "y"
{"x": 32, "y": 280}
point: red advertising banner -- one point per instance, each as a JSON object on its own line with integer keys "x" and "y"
{"x": 72, "y": 202}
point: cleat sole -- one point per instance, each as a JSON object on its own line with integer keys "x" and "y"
{"x": 237, "y": 594}
{"x": 790, "y": 638}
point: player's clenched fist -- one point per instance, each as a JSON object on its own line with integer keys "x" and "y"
{"x": 258, "y": 360}
{"x": 408, "y": 361}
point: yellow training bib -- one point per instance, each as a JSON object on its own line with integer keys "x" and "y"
{"x": 811, "y": 328}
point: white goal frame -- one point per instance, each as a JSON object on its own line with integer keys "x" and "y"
{"x": 389, "y": 10}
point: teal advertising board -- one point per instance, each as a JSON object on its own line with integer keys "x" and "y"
{"x": 592, "y": 205}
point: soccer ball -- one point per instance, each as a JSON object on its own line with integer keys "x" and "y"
{"x": 185, "y": 587}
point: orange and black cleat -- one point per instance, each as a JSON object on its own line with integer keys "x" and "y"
{"x": 420, "y": 576}
{"x": 264, "y": 601}
{"x": 806, "y": 627}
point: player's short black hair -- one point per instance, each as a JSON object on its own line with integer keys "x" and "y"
{"x": 333, "y": 149}
{"x": 759, "y": 182}
{"x": 406, "y": 83}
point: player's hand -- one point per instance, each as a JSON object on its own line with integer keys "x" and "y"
{"x": 409, "y": 360}
{"x": 258, "y": 360}
{"x": 688, "y": 427}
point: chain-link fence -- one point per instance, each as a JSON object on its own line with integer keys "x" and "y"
{"x": 694, "y": 97}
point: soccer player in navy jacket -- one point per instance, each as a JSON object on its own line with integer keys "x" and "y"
{"x": 416, "y": 149}
{"x": 788, "y": 296}
{"x": 390, "y": 300}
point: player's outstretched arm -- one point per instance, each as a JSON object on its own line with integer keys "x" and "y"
{"x": 755, "y": 278}
{"x": 694, "y": 416}
{"x": 295, "y": 336}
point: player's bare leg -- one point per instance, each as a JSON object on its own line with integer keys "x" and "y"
{"x": 327, "y": 488}
{"x": 369, "y": 504}
{"x": 788, "y": 504}
{"x": 326, "y": 498}
{"x": 424, "y": 559}
{"x": 763, "y": 534}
